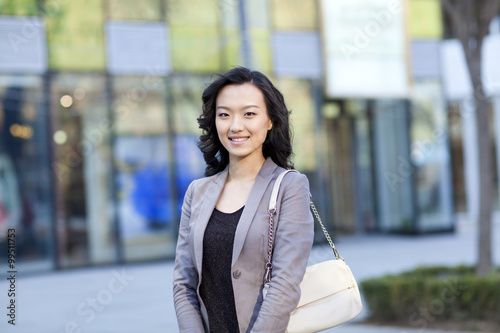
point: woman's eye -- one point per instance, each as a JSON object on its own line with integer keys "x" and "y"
{"x": 249, "y": 114}
{"x": 223, "y": 115}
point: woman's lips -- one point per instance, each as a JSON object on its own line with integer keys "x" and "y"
{"x": 238, "y": 140}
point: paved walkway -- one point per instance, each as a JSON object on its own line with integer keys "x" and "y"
{"x": 138, "y": 298}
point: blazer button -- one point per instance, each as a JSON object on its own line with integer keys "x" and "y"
{"x": 236, "y": 274}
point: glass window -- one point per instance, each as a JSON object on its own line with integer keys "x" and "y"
{"x": 82, "y": 166}
{"x": 144, "y": 10}
{"x": 19, "y": 7}
{"x": 75, "y": 36}
{"x": 143, "y": 169}
{"x": 25, "y": 172}
{"x": 294, "y": 14}
{"x": 339, "y": 142}
{"x": 185, "y": 106}
{"x": 185, "y": 102}
{"x": 298, "y": 99}
{"x": 181, "y": 13}
{"x": 456, "y": 139}
{"x": 260, "y": 40}
{"x": 393, "y": 168}
{"x": 363, "y": 162}
{"x": 230, "y": 35}
{"x": 194, "y": 35}
{"x": 195, "y": 49}
{"x": 308, "y": 139}
{"x": 430, "y": 156}
{"x": 258, "y": 21}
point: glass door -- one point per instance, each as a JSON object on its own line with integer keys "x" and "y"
{"x": 430, "y": 157}
{"x": 366, "y": 216}
{"x": 393, "y": 168}
{"x": 339, "y": 128}
{"x": 81, "y": 131}
{"x": 25, "y": 174}
{"x": 142, "y": 150}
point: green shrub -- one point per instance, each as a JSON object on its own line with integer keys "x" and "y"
{"x": 429, "y": 294}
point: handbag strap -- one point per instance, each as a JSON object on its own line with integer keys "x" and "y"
{"x": 272, "y": 211}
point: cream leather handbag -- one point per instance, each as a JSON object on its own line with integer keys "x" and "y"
{"x": 329, "y": 292}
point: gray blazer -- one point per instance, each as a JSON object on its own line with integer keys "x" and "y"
{"x": 293, "y": 241}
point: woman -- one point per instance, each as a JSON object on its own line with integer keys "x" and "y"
{"x": 222, "y": 246}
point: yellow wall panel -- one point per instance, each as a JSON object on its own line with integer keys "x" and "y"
{"x": 230, "y": 49}
{"x": 195, "y": 49}
{"x": 144, "y": 10}
{"x": 75, "y": 35}
{"x": 294, "y": 14}
{"x": 425, "y": 19}
{"x": 260, "y": 40}
{"x": 193, "y": 12}
{"x": 298, "y": 99}
{"x": 18, "y": 7}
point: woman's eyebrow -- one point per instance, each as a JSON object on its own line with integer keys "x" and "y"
{"x": 251, "y": 106}
{"x": 245, "y": 107}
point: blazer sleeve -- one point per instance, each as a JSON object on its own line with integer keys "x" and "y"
{"x": 292, "y": 246}
{"x": 185, "y": 281}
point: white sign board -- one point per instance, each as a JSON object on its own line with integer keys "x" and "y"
{"x": 23, "y": 48}
{"x": 297, "y": 54}
{"x": 138, "y": 48}
{"x": 365, "y": 48}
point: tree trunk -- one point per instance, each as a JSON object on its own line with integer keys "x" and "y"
{"x": 470, "y": 20}
{"x": 484, "y": 263}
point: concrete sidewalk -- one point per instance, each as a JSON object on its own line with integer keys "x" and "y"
{"x": 138, "y": 298}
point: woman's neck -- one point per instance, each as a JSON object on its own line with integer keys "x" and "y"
{"x": 245, "y": 169}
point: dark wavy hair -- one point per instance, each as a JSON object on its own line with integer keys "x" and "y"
{"x": 277, "y": 145}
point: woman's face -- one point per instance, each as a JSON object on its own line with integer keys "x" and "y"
{"x": 242, "y": 121}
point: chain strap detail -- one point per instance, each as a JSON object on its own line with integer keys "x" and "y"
{"x": 269, "y": 264}
{"x": 327, "y": 235}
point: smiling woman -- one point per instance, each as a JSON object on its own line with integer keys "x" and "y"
{"x": 221, "y": 251}
{"x": 232, "y": 86}
{"x": 242, "y": 121}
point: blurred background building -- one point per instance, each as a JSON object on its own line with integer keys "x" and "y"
{"x": 99, "y": 100}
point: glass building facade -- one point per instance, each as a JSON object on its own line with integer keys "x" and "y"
{"x": 98, "y": 108}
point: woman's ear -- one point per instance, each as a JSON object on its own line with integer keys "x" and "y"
{"x": 270, "y": 125}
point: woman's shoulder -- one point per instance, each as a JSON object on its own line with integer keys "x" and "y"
{"x": 294, "y": 178}
{"x": 203, "y": 182}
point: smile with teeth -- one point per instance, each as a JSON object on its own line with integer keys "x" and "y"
{"x": 237, "y": 140}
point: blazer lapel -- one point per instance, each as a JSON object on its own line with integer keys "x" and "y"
{"x": 210, "y": 198}
{"x": 263, "y": 178}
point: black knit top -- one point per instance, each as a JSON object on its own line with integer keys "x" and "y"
{"x": 216, "y": 289}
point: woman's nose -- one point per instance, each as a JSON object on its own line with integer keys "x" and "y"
{"x": 236, "y": 124}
